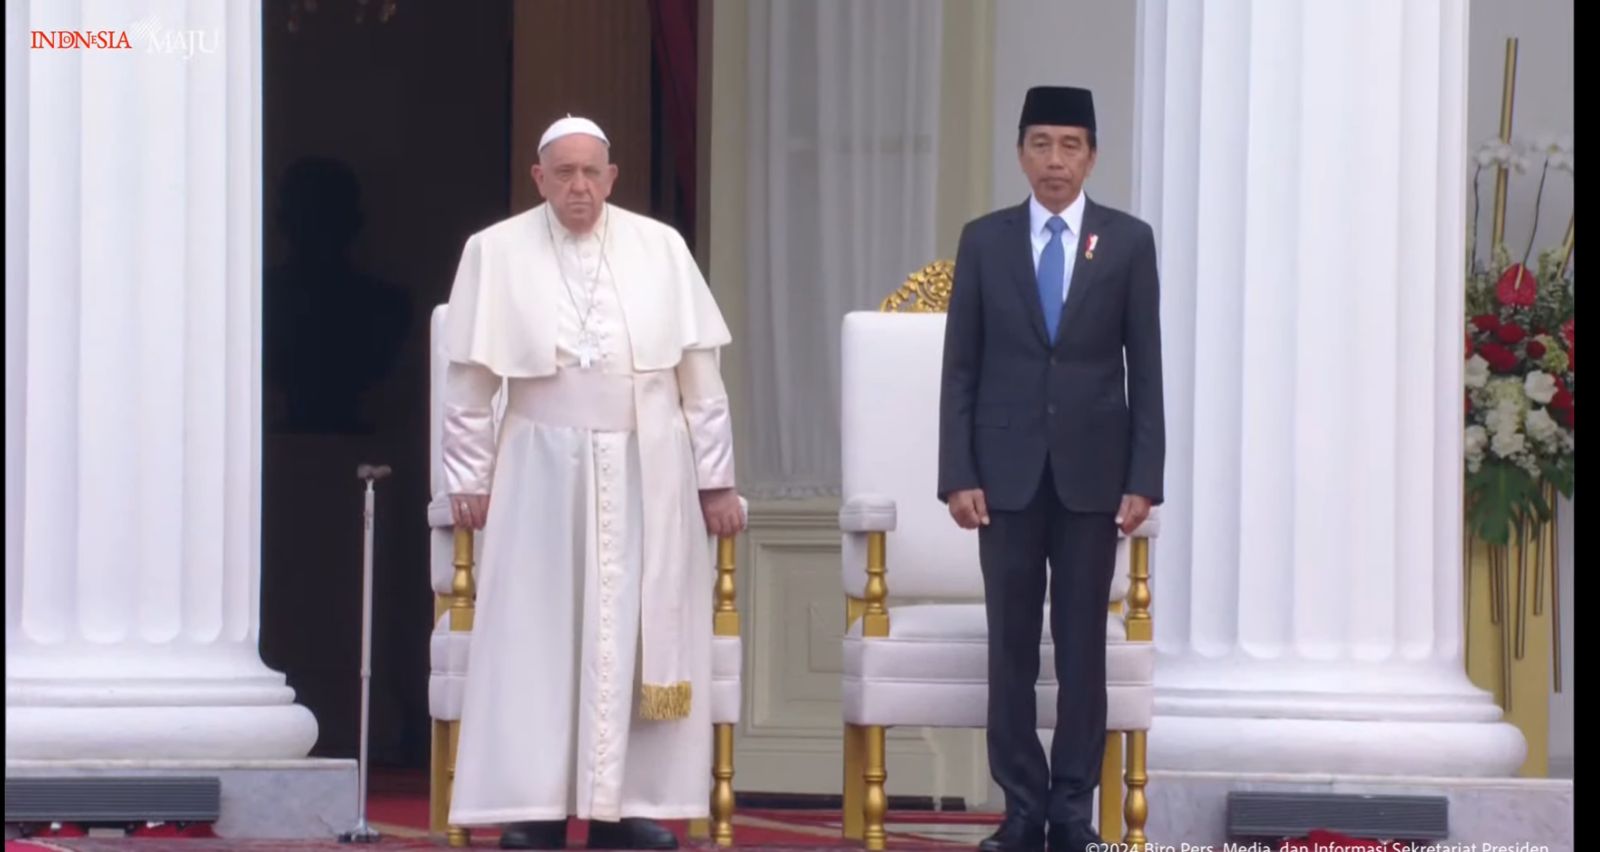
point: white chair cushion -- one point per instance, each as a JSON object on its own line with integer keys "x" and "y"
{"x": 932, "y": 670}
{"x": 447, "y": 670}
{"x": 727, "y": 653}
{"x": 447, "y": 674}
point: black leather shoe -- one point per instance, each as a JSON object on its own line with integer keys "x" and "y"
{"x": 547, "y": 834}
{"x": 1073, "y": 837}
{"x": 1014, "y": 836}
{"x": 632, "y": 833}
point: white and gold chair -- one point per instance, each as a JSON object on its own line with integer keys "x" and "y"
{"x": 915, "y": 648}
{"x": 454, "y": 555}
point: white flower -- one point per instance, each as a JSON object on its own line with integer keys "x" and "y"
{"x": 1507, "y": 444}
{"x": 1540, "y": 387}
{"x": 1503, "y": 419}
{"x": 1507, "y": 390}
{"x": 1554, "y": 150}
{"x": 1541, "y": 427}
{"x": 1550, "y": 144}
{"x": 1477, "y": 440}
{"x": 1495, "y": 152}
{"x": 1477, "y": 372}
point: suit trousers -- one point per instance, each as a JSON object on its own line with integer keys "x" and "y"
{"x": 1080, "y": 549}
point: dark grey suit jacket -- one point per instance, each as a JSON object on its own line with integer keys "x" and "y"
{"x": 1010, "y": 400}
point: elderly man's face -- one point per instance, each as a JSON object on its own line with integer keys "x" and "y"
{"x": 1057, "y": 161}
{"x": 575, "y": 175}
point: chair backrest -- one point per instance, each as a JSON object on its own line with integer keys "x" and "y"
{"x": 889, "y": 445}
{"x": 891, "y": 365}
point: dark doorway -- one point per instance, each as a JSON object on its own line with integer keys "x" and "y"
{"x": 387, "y": 140}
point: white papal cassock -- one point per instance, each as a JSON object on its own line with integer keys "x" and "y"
{"x": 595, "y": 477}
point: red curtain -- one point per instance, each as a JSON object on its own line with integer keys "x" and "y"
{"x": 674, "y": 26}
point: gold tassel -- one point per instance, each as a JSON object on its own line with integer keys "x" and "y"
{"x": 665, "y": 702}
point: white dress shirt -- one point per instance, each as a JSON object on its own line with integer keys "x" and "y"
{"x": 1073, "y": 215}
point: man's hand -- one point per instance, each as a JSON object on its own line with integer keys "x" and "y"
{"x": 470, "y": 511}
{"x": 1134, "y": 511}
{"x": 724, "y": 517}
{"x": 969, "y": 508}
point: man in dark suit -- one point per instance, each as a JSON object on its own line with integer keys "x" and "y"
{"x": 1050, "y": 439}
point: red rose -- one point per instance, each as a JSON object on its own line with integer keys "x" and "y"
{"x": 1487, "y": 323}
{"x": 1517, "y": 286}
{"x": 1511, "y": 333}
{"x": 1562, "y": 401}
{"x": 1469, "y": 344}
{"x": 1501, "y": 359}
{"x": 1535, "y": 349}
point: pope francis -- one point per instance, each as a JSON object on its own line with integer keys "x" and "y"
{"x": 590, "y": 667}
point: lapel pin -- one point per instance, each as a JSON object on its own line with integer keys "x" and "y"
{"x": 1094, "y": 239}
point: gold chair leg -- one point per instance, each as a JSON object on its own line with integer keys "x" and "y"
{"x": 876, "y": 801}
{"x": 722, "y": 791}
{"x": 700, "y": 829}
{"x": 1137, "y": 809}
{"x": 438, "y": 778}
{"x": 457, "y": 836}
{"x": 1111, "y": 789}
{"x": 855, "y": 782}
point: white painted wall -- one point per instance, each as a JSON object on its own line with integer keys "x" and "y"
{"x": 1086, "y": 43}
{"x": 1543, "y": 104}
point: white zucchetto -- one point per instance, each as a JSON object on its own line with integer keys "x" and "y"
{"x": 570, "y": 125}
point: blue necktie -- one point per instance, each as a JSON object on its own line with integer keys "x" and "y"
{"x": 1052, "y": 276}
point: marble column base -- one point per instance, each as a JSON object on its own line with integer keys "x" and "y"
{"x": 1191, "y": 807}
{"x": 175, "y": 731}
{"x": 282, "y": 799}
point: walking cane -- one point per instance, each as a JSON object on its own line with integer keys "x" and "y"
{"x": 369, "y": 474}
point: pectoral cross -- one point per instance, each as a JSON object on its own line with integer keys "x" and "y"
{"x": 587, "y": 352}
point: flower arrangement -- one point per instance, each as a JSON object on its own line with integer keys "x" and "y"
{"x": 1519, "y": 376}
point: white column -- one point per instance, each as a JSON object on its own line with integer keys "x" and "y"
{"x": 1303, "y": 164}
{"x": 133, "y": 385}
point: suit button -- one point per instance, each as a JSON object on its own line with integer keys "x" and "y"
{"x": 1050, "y": 409}
{"x": 1055, "y": 361}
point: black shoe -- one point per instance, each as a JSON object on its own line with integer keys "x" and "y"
{"x": 1073, "y": 837}
{"x": 547, "y": 834}
{"x": 632, "y": 833}
{"x": 1014, "y": 835}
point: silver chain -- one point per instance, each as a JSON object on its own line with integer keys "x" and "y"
{"x": 587, "y": 311}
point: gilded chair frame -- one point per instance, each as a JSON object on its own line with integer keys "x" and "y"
{"x": 1124, "y": 806}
